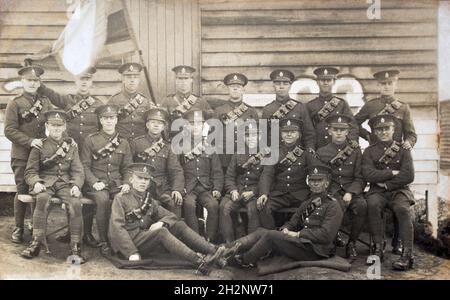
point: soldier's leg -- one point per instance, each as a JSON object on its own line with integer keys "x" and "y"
{"x": 261, "y": 247}
{"x": 253, "y": 216}
{"x": 400, "y": 205}
{"x": 103, "y": 203}
{"x": 251, "y": 239}
{"x": 290, "y": 247}
{"x": 40, "y": 215}
{"x": 358, "y": 214}
{"x": 73, "y": 206}
{"x": 192, "y": 239}
{"x": 190, "y": 211}
{"x": 168, "y": 203}
{"x": 227, "y": 206}
{"x": 212, "y": 207}
{"x": 375, "y": 205}
{"x": 18, "y": 167}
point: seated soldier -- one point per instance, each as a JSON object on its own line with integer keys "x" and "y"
{"x": 139, "y": 226}
{"x": 105, "y": 156}
{"x": 389, "y": 169}
{"x": 55, "y": 170}
{"x": 153, "y": 149}
{"x": 241, "y": 185}
{"x": 285, "y": 182}
{"x": 204, "y": 178}
{"x": 347, "y": 184}
{"x": 308, "y": 235}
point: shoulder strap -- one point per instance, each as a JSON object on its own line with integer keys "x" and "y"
{"x": 327, "y": 108}
{"x": 151, "y": 151}
{"x": 235, "y": 113}
{"x": 291, "y": 157}
{"x": 284, "y": 109}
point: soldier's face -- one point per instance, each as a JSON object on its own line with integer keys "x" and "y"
{"x": 108, "y": 122}
{"x": 183, "y": 84}
{"x": 131, "y": 82}
{"x": 236, "y": 91}
{"x": 30, "y": 85}
{"x": 139, "y": 183}
{"x": 282, "y": 88}
{"x": 318, "y": 185}
{"x": 55, "y": 131}
{"x": 196, "y": 128}
{"x": 388, "y": 88}
{"x": 83, "y": 84}
{"x": 326, "y": 85}
{"x": 385, "y": 134}
{"x": 155, "y": 127}
{"x": 290, "y": 137}
{"x": 251, "y": 140}
{"x": 338, "y": 135}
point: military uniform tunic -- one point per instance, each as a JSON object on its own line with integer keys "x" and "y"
{"x": 242, "y": 180}
{"x": 321, "y": 126}
{"x": 59, "y": 175}
{"x": 300, "y": 111}
{"x": 397, "y": 195}
{"x": 21, "y": 130}
{"x": 131, "y": 237}
{"x": 404, "y": 126}
{"x": 132, "y": 125}
{"x": 174, "y": 100}
{"x": 315, "y": 241}
{"x": 81, "y": 124}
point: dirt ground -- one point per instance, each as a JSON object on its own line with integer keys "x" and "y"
{"x": 54, "y": 266}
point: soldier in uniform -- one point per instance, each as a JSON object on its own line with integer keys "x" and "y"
{"x": 105, "y": 156}
{"x": 154, "y": 149}
{"x": 24, "y": 127}
{"x": 80, "y": 107}
{"x": 204, "y": 178}
{"x": 184, "y": 100}
{"x": 140, "y": 227}
{"x": 132, "y": 104}
{"x": 327, "y": 105}
{"x": 284, "y": 184}
{"x": 233, "y": 110}
{"x": 344, "y": 157}
{"x": 284, "y": 107}
{"x": 55, "y": 170}
{"x": 405, "y": 132}
{"x": 308, "y": 235}
{"x": 389, "y": 169}
{"x": 241, "y": 185}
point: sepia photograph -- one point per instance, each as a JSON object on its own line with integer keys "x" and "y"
{"x": 224, "y": 140}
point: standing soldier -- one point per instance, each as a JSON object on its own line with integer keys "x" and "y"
{"x": 308, "y": 235}
{"x": 405, "y": 132}
{"x": 284, "y": 185}
{"x": 153, "y": 149}
{"x": 184, "y": 100}
{"x": 80, "y": 107}
{"x": 327, "y": 105}
{"x": 284, "y": 107}
{"x": 241, "y": 185}
{"x": 344, "y": 157}
{"x": 389, "y": 168}
{"x": 105, "y": 156}
{"x": 24, "y": 127}
{"x": 204, "y": 178}
{"x": 55, "y": 170}
{"x": 139, "y": 227}
{"x": 131, "y": 103}
{"x": 233, "y": 110}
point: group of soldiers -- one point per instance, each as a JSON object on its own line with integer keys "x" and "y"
{"x": 146, "y": 197}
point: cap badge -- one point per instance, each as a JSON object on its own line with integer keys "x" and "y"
{"x": 57, "y": 116}
{"x": 315, "y": 171}
{"x": 108, "y": 109}
{"x": 235, "y": 77}
{"x": 382, "y": 120}
{"x": 33, "y": 72}
{"x": 250, "y": 126}
{"x": 144, "y": 169}
{"x": 131, "y": 68}
{"x": 281, "y": 74}
{"x": 325, "y": 72}
{"x": 339, "y": 120}
{"x": 183, "y": 70}
{"x": 386, "y": 75}
{"x": 288, "y": 123}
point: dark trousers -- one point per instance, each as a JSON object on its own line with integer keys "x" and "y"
{"x": 274, "y": 204}
{"x": 18, "y": 167}
{"x": 206, "y": 200}
{"x": 357, "y": 210}
{"x": 227, "y": 207}
{"x": 179, "y": 240}
{"x": 166, "y": 201}
{"x": 263, "y": 241}
{"x": 399, "y": 204}
{"x": 73, "y": 206}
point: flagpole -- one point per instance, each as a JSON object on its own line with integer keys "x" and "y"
{"x": 136, "y": 43}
